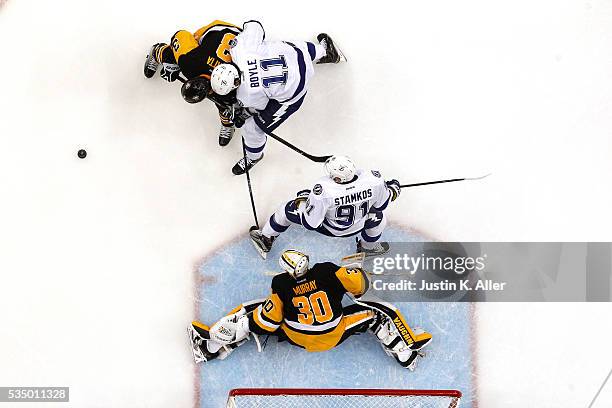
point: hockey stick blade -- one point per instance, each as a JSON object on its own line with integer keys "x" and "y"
{"x": 271, "y": 273}
{"x": 427, "y": 183}
{"x": 353, "y": 261}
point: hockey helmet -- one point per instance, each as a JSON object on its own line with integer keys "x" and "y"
{"x": 341, "y": 169}
{"x": 295, "y": 263}
{"x": 195, "y": 90}
{"x": 225, "y": 78}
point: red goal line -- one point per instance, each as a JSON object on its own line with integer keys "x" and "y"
{"x": 343, "y": 391}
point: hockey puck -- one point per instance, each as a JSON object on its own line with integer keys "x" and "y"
{"x": 82, "y": 154}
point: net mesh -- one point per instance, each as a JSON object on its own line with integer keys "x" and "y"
{"x": 379, "y": 400}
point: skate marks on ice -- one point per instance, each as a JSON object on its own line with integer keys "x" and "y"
{"x": 236, "y": 273}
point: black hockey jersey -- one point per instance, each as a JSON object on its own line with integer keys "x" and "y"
{"x": 312, "y": 304}
{"x": 199, "y": 53}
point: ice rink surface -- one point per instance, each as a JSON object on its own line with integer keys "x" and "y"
{"x": 98, "y": 256}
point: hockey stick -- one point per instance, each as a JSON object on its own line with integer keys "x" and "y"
{"x": 248, "y": 177}
{"x": 350, "y": 261}
{"x": 316, "y": 159}
{"x": 246, "y": 168}
{"x": 444, "y": 181}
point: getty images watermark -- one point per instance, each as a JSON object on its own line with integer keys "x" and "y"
{"x": 492, "y": 271}
{"x": 409, "y": 265}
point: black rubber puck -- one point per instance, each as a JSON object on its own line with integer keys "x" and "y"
{"x": 82, "y": 154}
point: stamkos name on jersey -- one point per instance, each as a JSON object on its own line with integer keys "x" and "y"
{"x": 354, "y": 197}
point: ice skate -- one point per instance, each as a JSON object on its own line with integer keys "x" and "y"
{"x": 333, "y": 55}
{"x": 225, "y": 134}
{"x": 240, "y": 168}
{"x": 377, "y": 249}
{"x": 261, "y": 243}
{"x": 151, "y": 64}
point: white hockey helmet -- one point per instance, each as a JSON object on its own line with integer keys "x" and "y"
{"x": 295, "y": 263}
{"x": 224, "y": 79}
{"x": 341, "y": 169}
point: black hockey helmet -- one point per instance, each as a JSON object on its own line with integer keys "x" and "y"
{"x": 196, "y": 89}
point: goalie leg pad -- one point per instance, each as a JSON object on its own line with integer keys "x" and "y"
{"x": 206, "y": 349}
{"x": 231, "y": 328}
{"x": 421, "y": 338}
{"x": 393, "y": 346}
{"x": 202, "y": 348}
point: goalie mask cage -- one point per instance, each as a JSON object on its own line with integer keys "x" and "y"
{"x": 341, "y": 398}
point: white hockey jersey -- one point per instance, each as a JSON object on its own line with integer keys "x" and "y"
{"x": 269, "y": 69}
{"x": 343, "y": 208}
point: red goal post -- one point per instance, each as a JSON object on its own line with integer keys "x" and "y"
{"x": 341, "y": 398}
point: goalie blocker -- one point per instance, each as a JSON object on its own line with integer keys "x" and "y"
{"x": 305, "y": 309}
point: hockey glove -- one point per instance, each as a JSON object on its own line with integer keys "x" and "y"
{"x": 394, "y": 187}
{"x": 239, "y": 116}
{"x": 170, "y": 72}
{"x": 301, "y": 197}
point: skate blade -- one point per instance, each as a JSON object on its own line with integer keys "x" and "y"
{"x": 375, "y": 254}
{"x": 340, "y": 54}
{"x": 261, "y": 253}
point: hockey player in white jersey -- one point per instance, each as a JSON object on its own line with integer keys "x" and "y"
{"x": 345, "y": 203}
{"x": 270, "y": 79}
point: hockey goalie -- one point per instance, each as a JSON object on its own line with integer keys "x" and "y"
{"x": 305, "y": 309}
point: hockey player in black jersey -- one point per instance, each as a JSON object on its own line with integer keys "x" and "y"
{"x": 305, "y": 308}
{"x": 195, "y": 56}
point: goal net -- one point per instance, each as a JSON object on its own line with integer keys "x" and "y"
{"x": 341, "y": 398}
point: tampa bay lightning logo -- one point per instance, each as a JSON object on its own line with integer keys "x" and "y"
{"x": 376, "y": 173}
{"x": 317, "y": 189}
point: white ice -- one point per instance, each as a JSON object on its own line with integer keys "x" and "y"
{"x": 97, "y": 256}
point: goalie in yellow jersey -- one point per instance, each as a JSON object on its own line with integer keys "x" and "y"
{"x": 305, "y": 308}
{"x": 195, "y": 56}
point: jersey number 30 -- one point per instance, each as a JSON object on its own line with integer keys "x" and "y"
{"x": 314, "y": 308}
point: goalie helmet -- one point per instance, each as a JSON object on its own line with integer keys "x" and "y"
{"x": 295, "y": 263}
{"x": 341, "y": 169}
{"x": 224, "y": 79}
{"x": 195, "y": 90}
